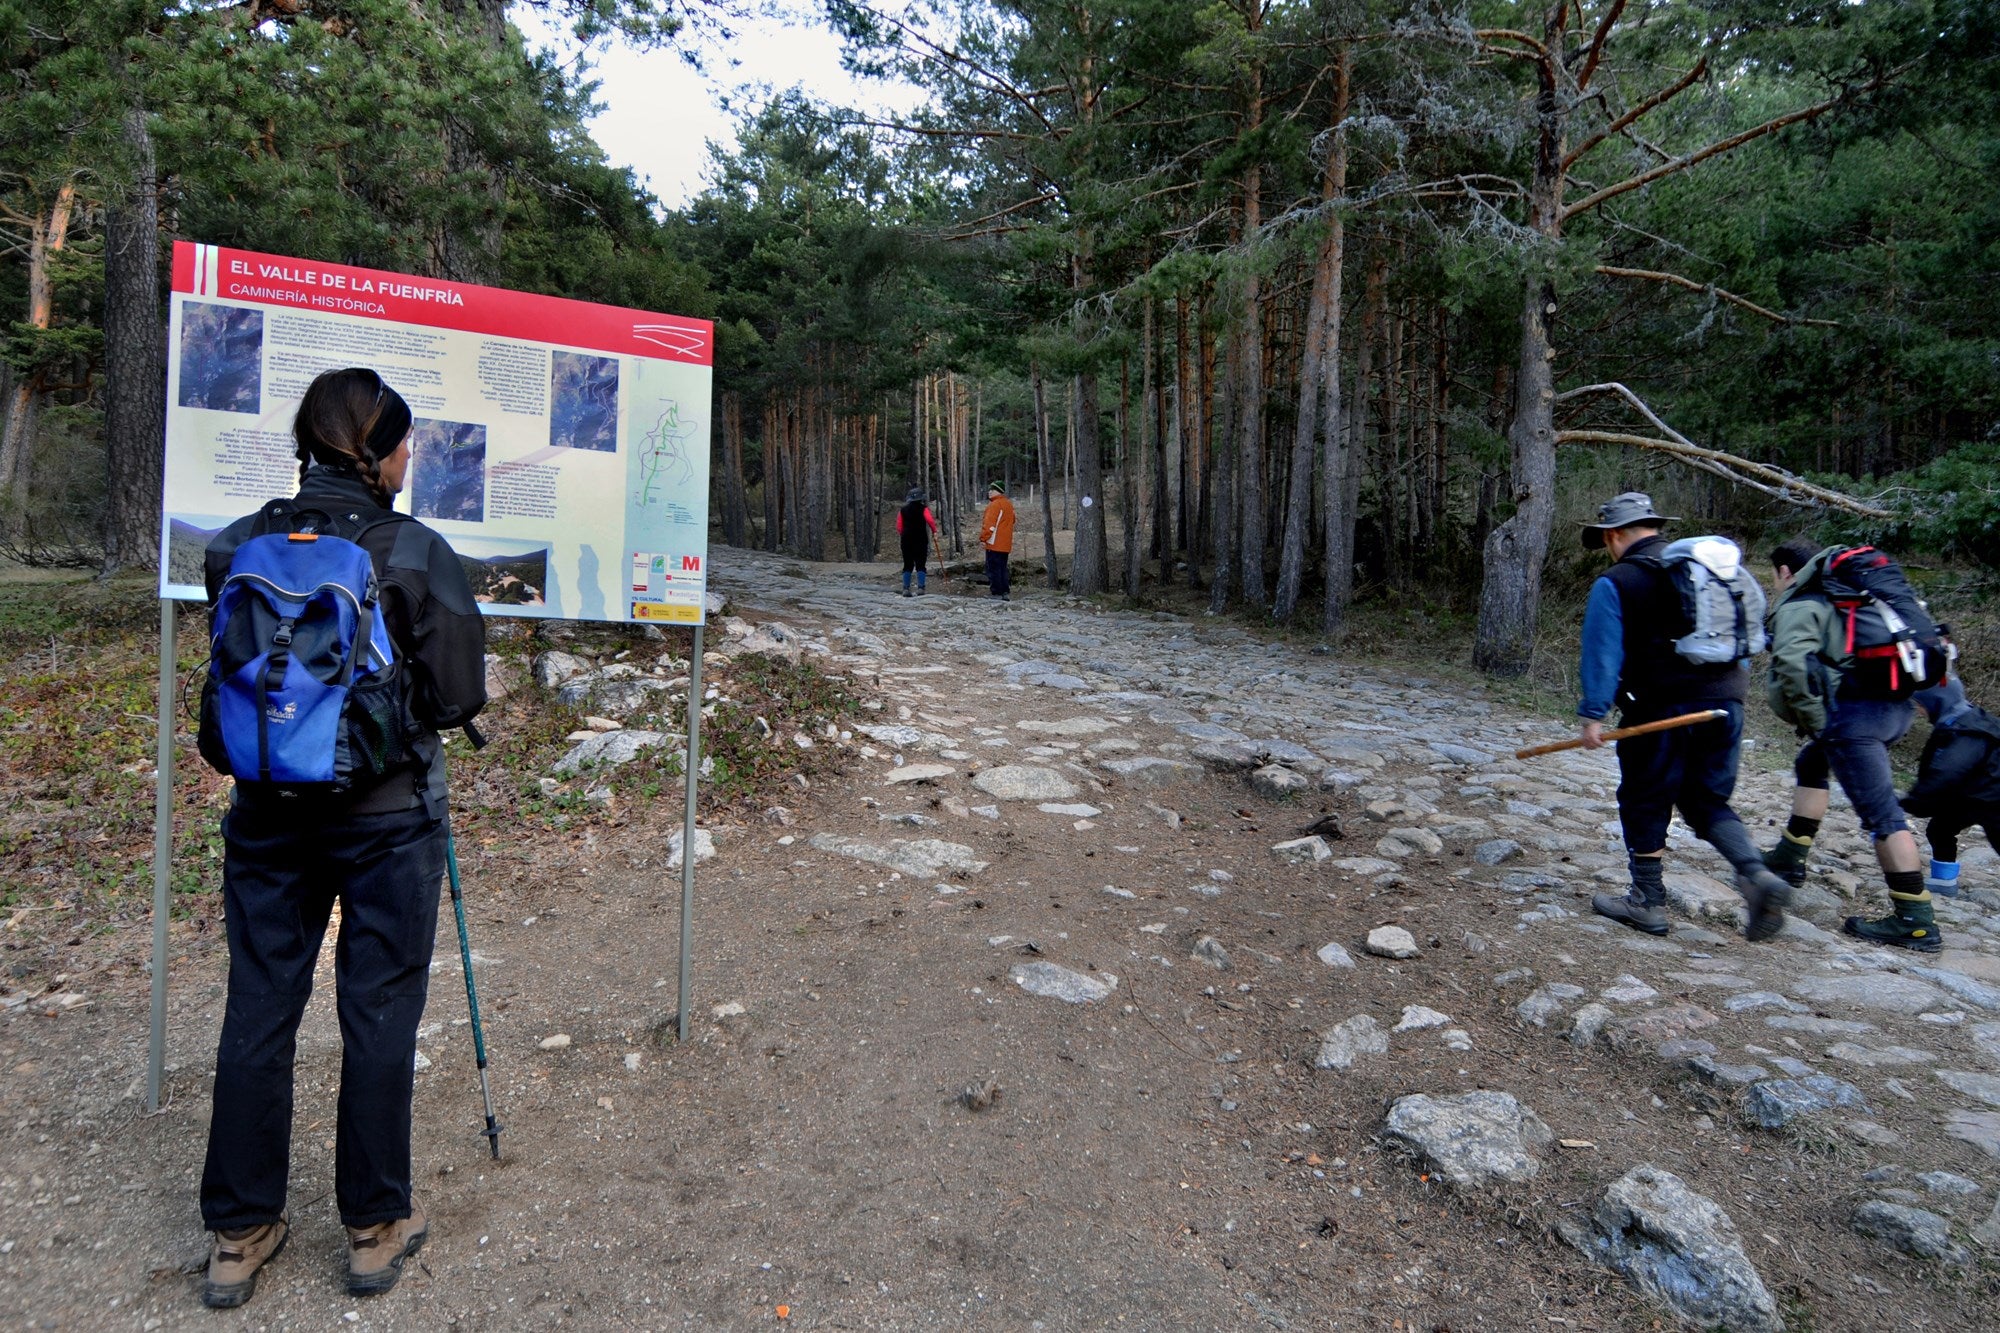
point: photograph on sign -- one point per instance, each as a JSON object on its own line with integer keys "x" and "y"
{"x": 557, "y": 445}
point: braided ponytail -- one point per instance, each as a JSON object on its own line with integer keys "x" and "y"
{"x": 349, "y": 420}
{"x": 371, "y": 476}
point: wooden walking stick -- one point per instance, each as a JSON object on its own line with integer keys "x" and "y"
{"x": 1644, "y": 728}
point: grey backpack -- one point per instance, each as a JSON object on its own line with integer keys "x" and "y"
{"x": 1723, "y": 601}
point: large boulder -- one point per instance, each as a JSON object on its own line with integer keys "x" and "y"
{"x": 1473, "y": 1139}
{"x": 1680, "y": 1249}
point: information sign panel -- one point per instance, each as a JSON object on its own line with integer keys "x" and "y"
{"x": 561, "y": 447}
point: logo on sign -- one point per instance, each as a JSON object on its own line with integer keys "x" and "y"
{"x": 691, "y": 564}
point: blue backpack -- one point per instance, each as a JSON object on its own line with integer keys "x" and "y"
{"x": 304, "y": 689}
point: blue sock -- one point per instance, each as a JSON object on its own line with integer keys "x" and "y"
{"x": 906, "y": 580}
{"x": 920, "y": 580}
{"x": 1943, "y": 878}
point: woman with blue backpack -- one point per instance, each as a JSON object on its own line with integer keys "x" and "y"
{"x": 345, "y": 639}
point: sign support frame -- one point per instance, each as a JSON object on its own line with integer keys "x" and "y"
{"x": 163, "y": 855}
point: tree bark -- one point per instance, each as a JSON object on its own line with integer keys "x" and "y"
{"x": 1088, "y": 572}
{"x": 1511, "y": 595}
{"x": 135, "y": 375}
{"x": 47, "y": 237}
{"x": 1250, "y": 365}
{"x": 1042, "y": 466}
{"x": 1345, "y": 468}
{"x": 1223, "y": 464}
{"x": 1319, "y": 364}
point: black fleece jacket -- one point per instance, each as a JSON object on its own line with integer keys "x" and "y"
{"x": 1960, "y": 767}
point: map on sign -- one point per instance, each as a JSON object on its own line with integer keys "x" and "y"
{"x": 530, "y": 414}
{"x": 664, "y": 466}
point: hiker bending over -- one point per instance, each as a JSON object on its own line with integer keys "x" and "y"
{"x": 1958, "y": 780}
{"x": 292, "y": 850}
{"x": 914, "y": 526}
{"x": 1644, "y": 652}
{"x": 1850, "y": 643}
{"x": 996, "y": 534}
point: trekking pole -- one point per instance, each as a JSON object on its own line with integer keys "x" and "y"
{"x": 492, "y": 1131}
{"x": 1643, "y": 729}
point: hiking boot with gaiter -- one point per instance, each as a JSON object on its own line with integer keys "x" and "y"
{"x": 1634, "y": 908}
{"x": 1909, "y": 925}
{"x": 233, "y": 1263}
{"x": 1788, "y": 859}
{"x": 375, "y": 1254}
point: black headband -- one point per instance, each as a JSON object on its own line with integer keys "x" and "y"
{"x": 392, "y": 421}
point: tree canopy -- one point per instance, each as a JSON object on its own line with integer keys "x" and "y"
{"x": 1314, "y": 301}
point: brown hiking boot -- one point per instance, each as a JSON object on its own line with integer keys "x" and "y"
{"x": 375, "y": 1254}
{"x": 233, "y": 1263}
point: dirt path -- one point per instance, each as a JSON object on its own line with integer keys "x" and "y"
{"x": 1164, "y": 1157}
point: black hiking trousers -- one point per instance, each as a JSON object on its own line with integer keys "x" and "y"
{"x": 286, "y": 863}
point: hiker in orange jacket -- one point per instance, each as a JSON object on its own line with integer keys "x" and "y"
{"x": 996, "y": 534}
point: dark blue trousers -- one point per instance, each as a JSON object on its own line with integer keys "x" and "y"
{"x": 1693, "y": 768}
{"x": 997, "y": 579}
{"x": 286, "y": 862}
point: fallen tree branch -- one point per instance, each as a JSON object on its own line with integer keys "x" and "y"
{"x": 1762, "y": 477}
{"x": 1654, "y": 275}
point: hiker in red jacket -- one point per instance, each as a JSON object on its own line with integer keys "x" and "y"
{"x": 914, "y": 526}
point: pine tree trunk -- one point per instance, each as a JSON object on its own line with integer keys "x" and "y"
{"x": 1185, "y": 484}
{"x": 1166, "y": 410}
{"x": 1131, "y": 453}
{"x": 46, "y": 239}
{"x": 1042, "y": 469}
{"x": 1390, "y": 482}
{"x": 1348, "y": 455}
{"x": 1249, "y": 390}
{"x": 1319, "y": 364}
{"x": 1223, "y": 464}
{"x": 135, "y": 373}
{"x": 1204, "y": 437}
{"x": 1510, "y": 597}
{"x": 1088, "y": 571}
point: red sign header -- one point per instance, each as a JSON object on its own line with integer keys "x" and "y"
{"x": 306, "y": 284}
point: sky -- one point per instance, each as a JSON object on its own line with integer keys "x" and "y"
{"x": 660, "y": 114}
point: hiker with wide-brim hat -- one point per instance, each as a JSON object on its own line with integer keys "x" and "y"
{"x": 1633, "y": 626}
{"x": 377, "y": 848}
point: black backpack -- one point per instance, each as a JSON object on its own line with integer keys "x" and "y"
{"x": 1884, "y": 631}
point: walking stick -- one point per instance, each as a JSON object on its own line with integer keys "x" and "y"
{"x": 1643, "y": 729}
{"x": 492, "y": 1130}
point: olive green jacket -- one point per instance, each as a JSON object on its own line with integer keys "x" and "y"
{"x": 1806, "y": 662}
